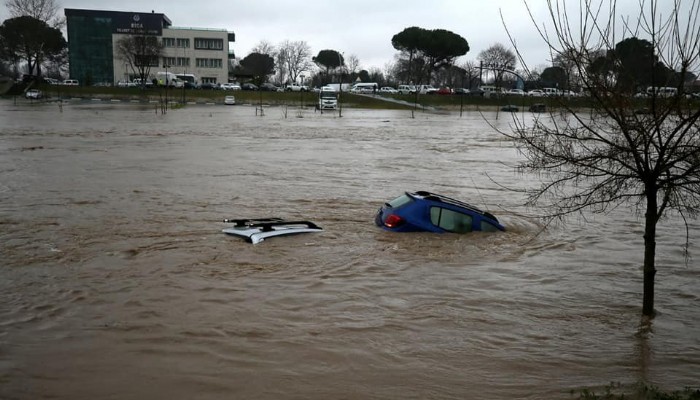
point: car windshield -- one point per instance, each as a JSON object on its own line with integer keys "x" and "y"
{"x": 399, "y": 201}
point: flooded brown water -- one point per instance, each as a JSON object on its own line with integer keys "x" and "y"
{"x": 116, "y": 282}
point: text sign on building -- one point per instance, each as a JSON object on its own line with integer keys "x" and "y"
{"x": 149, "y": 24}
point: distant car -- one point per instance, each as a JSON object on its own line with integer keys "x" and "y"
{"x": 460, "y": 91}
{"x": 429, "y": 212}
{"x": 426, "y": 89}
{"x": 230, "y": 100}
{"x": 33, "y": 94}
{"x": 407, "y": 89}
{"x": 268, "y": 87}
{"x": 538, "y": 108}
{"x": 515, "y": 92}
{"x": 295, "y": 87}
{"x": 388, "y": 90}
{"x": 208, "y": 86}
{"x": 71, "y": 82}
{"x": 535, "y": 93}
{"x": 444, "y": 90}
{"x": 249, "y": 86}
{"x": 230, "y": 86}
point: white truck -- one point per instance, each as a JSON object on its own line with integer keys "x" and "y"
{"x": 295, "y": 87}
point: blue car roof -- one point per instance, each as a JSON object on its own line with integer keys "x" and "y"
{"x": 446, "y": 200}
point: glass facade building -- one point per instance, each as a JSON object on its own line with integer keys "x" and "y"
{"x": 92, "y": 35}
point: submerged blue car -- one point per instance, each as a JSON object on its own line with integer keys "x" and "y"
{"x": 429, "y": 212}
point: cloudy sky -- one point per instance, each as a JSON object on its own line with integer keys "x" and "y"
{"x": 360, "y": 27}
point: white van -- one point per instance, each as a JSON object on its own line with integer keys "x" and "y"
{"x": 548, "y": 91}
{"x": 426, "y": 89}
{"x": 327, "y": 99}
{"x": 370, "y": 87}
{"x": 407, "y": 89}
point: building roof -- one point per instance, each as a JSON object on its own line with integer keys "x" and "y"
{"x": 122, "y": 16}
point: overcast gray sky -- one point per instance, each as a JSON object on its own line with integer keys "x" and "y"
{"x": 360, "y": 27}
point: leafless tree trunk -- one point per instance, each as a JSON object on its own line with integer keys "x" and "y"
{"x": 645, "y": 152}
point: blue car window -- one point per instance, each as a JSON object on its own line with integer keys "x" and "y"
{"x": 488, "y": 227}
{"x": 450, "y": 221}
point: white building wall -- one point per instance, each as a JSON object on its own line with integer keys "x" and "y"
{"x": 180, "y": 44}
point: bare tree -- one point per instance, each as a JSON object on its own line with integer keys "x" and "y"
{"x": 352, "y": 63}
{"x": 264, "y": 47}
{"x": 44, "y": 10}
{"x": 623, "y": 150}
{"x": 471, "y": 74}
{"x": 298, "y": 58}
{"x": 140, "y": 52}
{"x": 281, "y": 57}
{"x": 497, "y": 58}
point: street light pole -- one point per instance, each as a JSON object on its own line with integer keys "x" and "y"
{"x": 166, "y": 66}
{"x": 340, "y": 94}
{"x": 301, "y": 92}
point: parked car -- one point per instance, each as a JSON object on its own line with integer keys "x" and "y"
{"x": 538, "y": 108}
{"x": 33, "y": 94}
{"x": 229, "y": 100}
{"x": 426, "y": 89}
{"x": 535, "y": 93}
{"x": 268, "y": 87}
{"x": 388, "y": 90}
{"x": 444, "y": 90}
{"x": 294, "y": 87}
{"x": 209, "y": 86}
{"x": 71, "y": 82}
{"x": 407, "y": 89}
{"x": 230, "y": 86}
{"x": 516, "y": 92}
{"x": 460, "y": 91}
{"x": 429, "y": 212}
{"x": 249, "y": 86}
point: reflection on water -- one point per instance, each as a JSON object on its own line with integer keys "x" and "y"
{"x": 116, "y": 280}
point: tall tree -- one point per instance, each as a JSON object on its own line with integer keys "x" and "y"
{"x": 264, "y": 47}
{"x": 498, "y": 58}
{"x": 610, "y": 155}
{"x": 297, "y": 58}
{"x": 43, "y": 10}
{"x": 426, "y": 51}
{"x": 29, "y": 39}
{"x": 140, "y": 52}
{"x": 554, "y": 77}
{"x": 259, "y": 65}
{"x": 328, "y": 60}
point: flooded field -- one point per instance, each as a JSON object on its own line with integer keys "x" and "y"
{"x": 117, "y": 283}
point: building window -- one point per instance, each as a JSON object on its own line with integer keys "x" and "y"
{"x": 208, "y": 44}
{"x": 183, "y": 62}
{"x": 183, "y": 43}
{"x": 169, "y": 61}
{"x": 209, "y": 63}
{"x": 168, "y": 42}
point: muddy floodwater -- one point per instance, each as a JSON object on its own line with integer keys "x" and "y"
{"x": 117, "y": 283}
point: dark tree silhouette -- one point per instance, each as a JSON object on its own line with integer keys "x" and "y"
{"x": 259, "y": 66}
{"x": 30, "y": 39}
{"x": 426, "y": 51}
